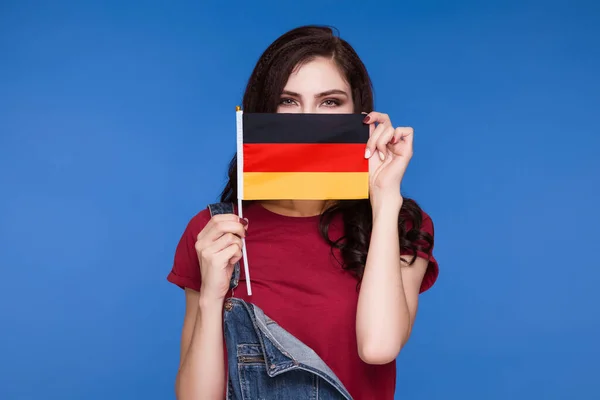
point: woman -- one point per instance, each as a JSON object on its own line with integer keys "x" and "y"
{"x": 329, "y": 273}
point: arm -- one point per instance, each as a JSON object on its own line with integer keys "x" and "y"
{"x": 217, "y": 248}
{"x": 388, "y": 299}
{"x": 389, "y": 294}
{"x": 201, "y": 371}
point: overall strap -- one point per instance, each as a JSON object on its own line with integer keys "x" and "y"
{"x": 227, "y": 208}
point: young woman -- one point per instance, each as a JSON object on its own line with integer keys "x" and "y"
{"x": 343, "y": 277}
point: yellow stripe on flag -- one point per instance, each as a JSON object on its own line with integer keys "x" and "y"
{"x": 305, "y": 185}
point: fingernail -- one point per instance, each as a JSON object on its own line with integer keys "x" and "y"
{"x": 393, "y": 141}
{"x": 367, "y": 153}
{"x": 244, "y": 221}
{"x": 366, "y": 120}
{"x": 382, "y": 156}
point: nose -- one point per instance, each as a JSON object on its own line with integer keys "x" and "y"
{"x": 308, "y": 109}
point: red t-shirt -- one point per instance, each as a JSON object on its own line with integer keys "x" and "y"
{"x": 297, "y": 282}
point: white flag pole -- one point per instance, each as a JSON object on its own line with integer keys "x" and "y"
{"x": 240, "y": 186}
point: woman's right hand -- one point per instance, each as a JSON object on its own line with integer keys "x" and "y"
{"x": 219, "y": 247}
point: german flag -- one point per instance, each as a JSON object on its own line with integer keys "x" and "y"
{"x": 302, "y": 156}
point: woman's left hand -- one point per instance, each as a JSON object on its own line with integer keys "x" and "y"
{"x": 389, "y": 151}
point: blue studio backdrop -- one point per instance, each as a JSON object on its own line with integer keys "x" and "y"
{"x": 117, "y": 123}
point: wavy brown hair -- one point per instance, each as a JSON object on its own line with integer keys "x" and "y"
{"x": 262, "y": 95}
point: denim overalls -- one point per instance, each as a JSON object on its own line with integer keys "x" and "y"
{"x": 264, "y": 361}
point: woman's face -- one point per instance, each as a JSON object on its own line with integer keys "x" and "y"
{"x": 317, "y": 87}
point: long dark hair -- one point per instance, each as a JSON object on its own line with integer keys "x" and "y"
{"x": 262, "y": 95}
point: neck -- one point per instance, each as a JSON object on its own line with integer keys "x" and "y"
{"x": 295, "y": 208}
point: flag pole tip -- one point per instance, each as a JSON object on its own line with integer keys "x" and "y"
{"x": 238, "y": 108}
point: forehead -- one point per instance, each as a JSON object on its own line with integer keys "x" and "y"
{"x": 316, "y": 76}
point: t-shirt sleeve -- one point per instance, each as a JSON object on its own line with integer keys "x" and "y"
{"x": 426, "y": 252}
{"x": 185, "y": 271}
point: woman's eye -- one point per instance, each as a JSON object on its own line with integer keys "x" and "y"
{"x": 331, "y": 103}
{"x": 287, "y": 102}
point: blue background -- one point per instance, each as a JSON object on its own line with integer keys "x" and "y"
{"x": 117, "y": 122}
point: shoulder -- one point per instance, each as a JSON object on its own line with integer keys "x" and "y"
{"x": 198, "y": 222}
{"x": 185, "y": 271}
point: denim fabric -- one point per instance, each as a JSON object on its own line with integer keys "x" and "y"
{"x": 266, "y": 362}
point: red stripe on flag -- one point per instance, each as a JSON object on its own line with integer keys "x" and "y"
{"x": 305, "y": 157}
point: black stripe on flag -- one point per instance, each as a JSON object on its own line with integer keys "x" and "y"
{"x": 304, "y": 128}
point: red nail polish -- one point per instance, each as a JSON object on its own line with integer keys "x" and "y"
{"x": 366, "y": 120}
{"x": 393, "y": 141}
{"x": 244, "y": 221}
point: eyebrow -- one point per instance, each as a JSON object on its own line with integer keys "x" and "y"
{"x": 322, "y": 94}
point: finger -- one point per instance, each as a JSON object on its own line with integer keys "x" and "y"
{"x": 209, "y": 228}
{"x": 403, "y": 137}
{"x": 217, "y": 228}
{"x": 375, "y": 117}
{"x": 408, "y": 135}
{"x": 224, "y": 217}
{"x": 228, "y": 255}
{"x": 236, "y": 257}
{"x": 383, "y": 140}
{"x": 371, "y": 126}
{"x": 372, "y": 142}
{"x": 380, "y": 119}
{"x": 239, "y": 228}
{"x": 229, "y": 217}
{"x": 231, "y": 254}
{"x": 225, "y": 241}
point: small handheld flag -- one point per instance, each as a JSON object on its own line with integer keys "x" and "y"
{"x": 300, "y": 157}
